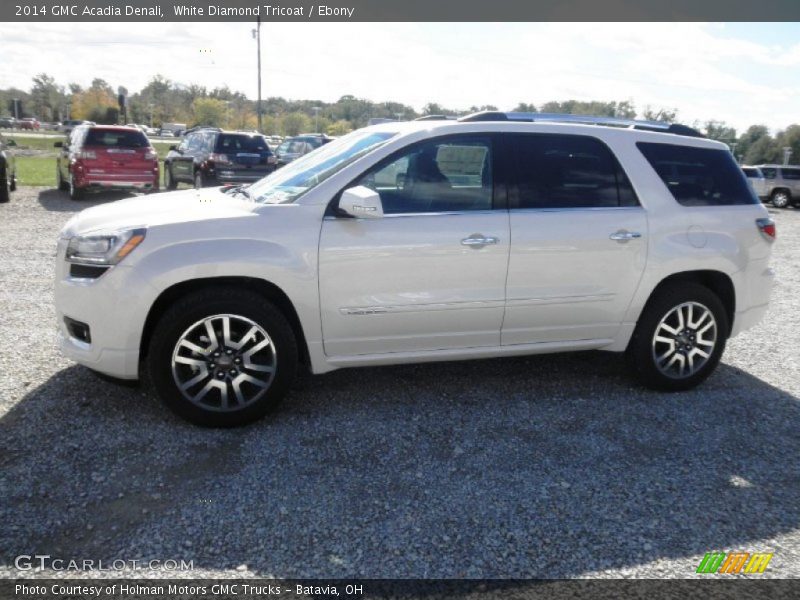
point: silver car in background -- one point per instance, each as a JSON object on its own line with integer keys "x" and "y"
{"x": 782, "y": 184}
{"x": 757, "y": 181}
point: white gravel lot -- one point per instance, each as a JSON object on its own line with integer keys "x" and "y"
{"x": 549, "y": 466}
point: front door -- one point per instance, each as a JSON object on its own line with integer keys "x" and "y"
{"x": 430, "y": 274}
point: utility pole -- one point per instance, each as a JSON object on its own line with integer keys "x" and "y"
{"x": 257, "y": 35}
{"x": 316, "y": 110}
{"x": 787, "y": 152}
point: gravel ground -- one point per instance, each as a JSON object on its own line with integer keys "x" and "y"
{"x": 549, "y": 466}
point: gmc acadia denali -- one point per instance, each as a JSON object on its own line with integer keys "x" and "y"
{"x": 499, "y": 234}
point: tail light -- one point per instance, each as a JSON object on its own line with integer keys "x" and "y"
{"x": 86, "y": 154}
{"x": 767, "y": 228}
{"x": 271, "y": 160}
{"x": 220, "y": 159}
{"x": 150, "y": 154}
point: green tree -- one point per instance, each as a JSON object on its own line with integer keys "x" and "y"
{"x": 209, "y": 111}
{"x": 48, "y": 98}
{"x": 295, "y": 123}
{"x": 665, "y": 115}
{"x": 721, "y": 131}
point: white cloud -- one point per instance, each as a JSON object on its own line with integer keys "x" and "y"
{"x": 702, "y": 69}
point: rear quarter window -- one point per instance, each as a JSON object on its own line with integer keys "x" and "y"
{"x": 699, "y": 176}
{"x": 790, "y": 173}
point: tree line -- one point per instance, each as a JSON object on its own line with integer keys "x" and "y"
{"x": 165, "y": 101}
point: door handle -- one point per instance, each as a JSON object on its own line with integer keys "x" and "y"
{"x": 623, "y": 236}
{"x": 477, "y": 240}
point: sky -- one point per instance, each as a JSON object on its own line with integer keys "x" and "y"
{"x": 741, "y": 73}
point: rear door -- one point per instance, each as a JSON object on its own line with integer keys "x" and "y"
{"x": 119, "y": 153}
{"x": 247, "y": 155}
{"x": 579, "y": 241}
{"x": 430, "y": 274}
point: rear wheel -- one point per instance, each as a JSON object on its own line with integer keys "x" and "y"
{"x": 222, "y": 357}
{"x": 12, "y": 182}
{"x": 780, "y": 199}
{"x": 75, "y": 193}
{"x": 680, "y": 337}
{"x": 169, "y": 179}
{"x": 5, "y": 192}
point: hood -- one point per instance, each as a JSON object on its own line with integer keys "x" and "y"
{"x": 158, "y": 209}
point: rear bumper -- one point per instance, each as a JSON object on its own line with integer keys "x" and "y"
{"x": 145, "y": 181}
{"x": 754, "y": 296}
{"x": 223, "y": 176}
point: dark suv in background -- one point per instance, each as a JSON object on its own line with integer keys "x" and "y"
{"x": 8, "y": 172}
{"x": 210, "y": 156}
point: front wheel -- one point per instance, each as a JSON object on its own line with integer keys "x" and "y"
{"x": 680, "y": 337}
{"x": 222, "y": 357}
{"x": 169, "y": 179}
{"x": 781, "y": 199}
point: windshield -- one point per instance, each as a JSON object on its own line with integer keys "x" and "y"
{"x": 287, "y": 184}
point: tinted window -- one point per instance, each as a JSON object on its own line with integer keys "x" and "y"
{"x": 769, "y": 172}
{"x": 699, "y": 176}
{"x": 451, "y": 174}
{"x": 791, "y": 173}
{"x": 568, "y": 171}
{"x": 228, "y": 143}
{"x": 116, "y": 138}
{"x": 750, "y": 172}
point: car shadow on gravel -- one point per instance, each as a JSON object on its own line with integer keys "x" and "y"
{"x": 545, "y": 466}
{"x": 59, "y": 201}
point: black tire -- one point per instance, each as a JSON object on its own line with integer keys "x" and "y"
{"x": 199, "y": 180}
{"x": 169, "y": 179}
{"x": 641, "y": 352}
{"x": 62, "y": 185}
{"x": 5, "y": 192}
{"x": 781, "y": 198}
{"x": 12, "y": 182}
{"x": 74, "y": 192}
{"x": 186, "y": 314}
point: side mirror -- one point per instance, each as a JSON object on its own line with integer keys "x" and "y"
{"x": 58, "y": 145}
{"x": 361, "y": 202}
{"x": 173, "y": 148}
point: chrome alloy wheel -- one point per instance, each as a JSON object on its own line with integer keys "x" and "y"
{"x": 224, "y": 362}
{"x": 684, "y": 340}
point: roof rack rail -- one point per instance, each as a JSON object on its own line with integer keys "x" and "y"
{"x": 436, "y": 118}
{"x": 658, "y": 126}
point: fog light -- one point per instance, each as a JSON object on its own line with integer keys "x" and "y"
{"x": 80, "y": 331}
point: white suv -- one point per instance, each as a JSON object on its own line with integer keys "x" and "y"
{"x": 499, "y": 234}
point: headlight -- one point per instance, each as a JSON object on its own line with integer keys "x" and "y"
{"x": 103, "y": 249}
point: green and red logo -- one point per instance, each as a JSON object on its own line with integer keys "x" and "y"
{"x": 734, "y": 562}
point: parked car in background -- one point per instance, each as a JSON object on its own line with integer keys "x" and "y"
{"x": 105, "y": 157}
{"x": 8, "y": 122}
{"x": 211, "y": 156}
{"x": 295, "y": 147}
{"x": 512, "y": 237}
{"x": 782, "y": 184}
{"x": 70, "y": 124}
{"x": 757, "y": 181}
{"x": 144, "y": 128}
{"x": 8, "y": 170}
{"x": 173, "y": 129}
{"x": 29, "y": 123}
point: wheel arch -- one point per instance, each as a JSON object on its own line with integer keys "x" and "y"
{"x": 268, "y": 290}
{"x": 718, "y": 282}
{"x": 780, "y": 188}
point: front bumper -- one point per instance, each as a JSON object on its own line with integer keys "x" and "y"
{"x": 114, "y": 306}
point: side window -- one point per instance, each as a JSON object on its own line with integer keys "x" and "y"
{"x": 699, "y": 176}
{"x": 568, "y": 171}
{"x": 793, "y": 174}
{"x": 769, "y": 172}
{"x": 448, "y": 174}
{"x": 184, "y": 145}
